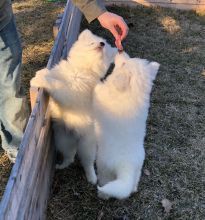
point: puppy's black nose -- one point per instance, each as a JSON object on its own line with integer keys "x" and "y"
{"x": 102, "y": 44}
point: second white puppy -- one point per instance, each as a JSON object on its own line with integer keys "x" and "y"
{"x": 121, "y": 106}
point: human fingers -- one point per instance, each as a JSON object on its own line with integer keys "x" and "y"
{"x": 118, "y": 44}
{"x": 123, "y": 28}
{"x": 114, "y": 32}
{"x": 116, "y": 35}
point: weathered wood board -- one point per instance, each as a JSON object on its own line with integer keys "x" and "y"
{"x": 17, "y": 189}
{"x": 179, "y": 4}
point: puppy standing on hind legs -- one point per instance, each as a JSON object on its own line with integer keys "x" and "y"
{"x": 70, "y": 85}
{"x": 86, "y": 151}
{"x": 121, "y": 106}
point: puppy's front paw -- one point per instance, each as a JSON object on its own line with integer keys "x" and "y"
{"x": 34, "y": 82}
{"x": 101, "y": 194}
{"x": 64, "y": 164}
{"x": 92, "y": 178}
{"x": 90, "y": 174}
{"x": 39, "y": 79}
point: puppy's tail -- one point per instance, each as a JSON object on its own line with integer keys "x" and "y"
{"x": 121, "y": 188}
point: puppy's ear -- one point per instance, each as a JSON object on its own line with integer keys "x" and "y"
{"x": 84, "y": 34}
{"x": 154, "y": 67}
{"x": 122, "y": 81}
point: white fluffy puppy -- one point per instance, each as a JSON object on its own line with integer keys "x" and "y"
{"x": 121, "y": 106}
{"x": 70, "y": 85}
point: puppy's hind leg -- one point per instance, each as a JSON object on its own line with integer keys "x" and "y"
{"x": 138, "y": 171}
{"x": 66, "y": 144}
{"x": 87, "y": 153}
{"x": 137, "y": 178}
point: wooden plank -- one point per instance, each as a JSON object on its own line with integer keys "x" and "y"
{"x": 37, "y": 176}
{"x": 178, "y": 4}
{"x": 57, "y": 50}
{"x": 18, "y": 179}
{"x": 73, "y": 30}
{"x": 40, "y": 199}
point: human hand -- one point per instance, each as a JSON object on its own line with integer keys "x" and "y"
{"x": 116, "y": 25}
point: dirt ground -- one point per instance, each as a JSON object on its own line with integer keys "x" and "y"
{"x": 174, "y": 168}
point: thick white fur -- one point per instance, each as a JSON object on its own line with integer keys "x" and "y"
{"x": 121, "y": 106}
{"x": 70, "y": 85}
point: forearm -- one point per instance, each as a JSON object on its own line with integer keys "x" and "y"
{"x": 90, "y": 8}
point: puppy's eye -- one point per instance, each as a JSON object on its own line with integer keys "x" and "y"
{"x": 102, "y": 44}
{"x": 91, "y": 44}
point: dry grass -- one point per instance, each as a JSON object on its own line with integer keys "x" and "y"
{"x": 5, "y": 168}
{"x": 174, "y": 167}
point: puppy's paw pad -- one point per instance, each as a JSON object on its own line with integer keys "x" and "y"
{"x": 64, "y": 164}
{"x": 90, "y": 174}
{"x": 60, "y": 166}
{"x": 101, "y": 194}
{"x": 92, "y": 179}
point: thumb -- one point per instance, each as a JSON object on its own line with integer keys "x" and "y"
{"x": 119, "y": 44}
